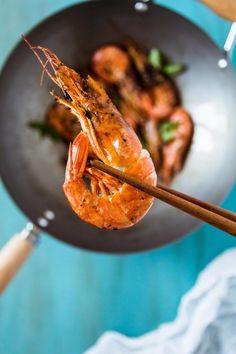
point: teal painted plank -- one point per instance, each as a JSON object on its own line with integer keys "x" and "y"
{"x": 18, "y": 17}
{"x": 64, "y": 298}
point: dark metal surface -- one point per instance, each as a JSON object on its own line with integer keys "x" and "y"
{"x": 31, "y": 167}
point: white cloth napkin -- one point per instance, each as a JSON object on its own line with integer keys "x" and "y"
{"x": 205, "y": 323}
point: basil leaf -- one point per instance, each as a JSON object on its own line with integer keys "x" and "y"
{"x": 168, "y": 131}
{"x": 173, "y": 69}
{"x": 155, "y": 58}
{"x": 45, "y": 129}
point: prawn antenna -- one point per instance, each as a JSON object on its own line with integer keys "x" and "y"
{"x": 44, "y": 65}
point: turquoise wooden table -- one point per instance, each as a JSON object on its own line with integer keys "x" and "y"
{"x": 65, "y": 298}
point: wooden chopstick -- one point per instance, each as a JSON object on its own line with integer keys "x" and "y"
{"x": 222, "y": 219}
{"x": 215, "y": 209}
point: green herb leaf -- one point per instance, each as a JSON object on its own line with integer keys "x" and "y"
{"x": 168, "y": 131}
{"x": 45, "y": 129}
{"x": 155, "y": 58}
{"x": 173, "y": 69}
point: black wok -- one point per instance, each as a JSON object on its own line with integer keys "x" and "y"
{"x": 31, "y": 167}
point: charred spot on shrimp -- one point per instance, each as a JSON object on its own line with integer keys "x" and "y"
{"x": 85, "y": 85}
{"x": 88, "y": 114}
{"x": 87, "y": 182}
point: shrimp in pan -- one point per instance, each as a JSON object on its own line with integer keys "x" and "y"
{"x": 102, "y": 201}
{"x": 174, "y": 152}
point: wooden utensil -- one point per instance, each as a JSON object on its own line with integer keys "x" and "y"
{"x": 216, "y": 216}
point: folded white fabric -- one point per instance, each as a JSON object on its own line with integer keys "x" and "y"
{"x": 205, "y": 324}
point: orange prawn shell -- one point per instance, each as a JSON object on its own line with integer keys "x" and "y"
{"x": 112, "y": 132}
{"x": 110, "y": 63}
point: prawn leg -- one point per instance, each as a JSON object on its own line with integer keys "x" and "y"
{"x": 81, "y": 199}
{"x": 77, "y": 158}
{"x": 93, "y": 206}
{"x": 74, "y": 186}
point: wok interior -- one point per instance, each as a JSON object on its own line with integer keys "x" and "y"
{"x": 207, "y": 93}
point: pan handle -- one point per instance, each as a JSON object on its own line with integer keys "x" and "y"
{"x": 228, "y": 47}
{"x": 15, "y": 253}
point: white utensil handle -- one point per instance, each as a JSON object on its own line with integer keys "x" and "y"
{"x": 15, "y": 253}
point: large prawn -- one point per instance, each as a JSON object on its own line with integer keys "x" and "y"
{"x": 103, "y": 201}
{"x": 174, "y": 152}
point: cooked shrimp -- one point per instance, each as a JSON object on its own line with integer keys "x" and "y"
{"x": 140, "y": 104}
{"x": 159, "y": 96}
{"x": 163, "y": 98}
{"x": 148, "y": 128}
{"x": 106, "y": 203}
{"x": 153, "y": 140}
{"x": 63, "y": 121}
{"x": 110, "y": 63}
{"x": 175, "y": 151}
{"x": 140, "y": 62}
{"x": 131, "y": 116}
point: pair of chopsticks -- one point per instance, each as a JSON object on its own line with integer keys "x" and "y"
{"x": 220, "y": 218}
